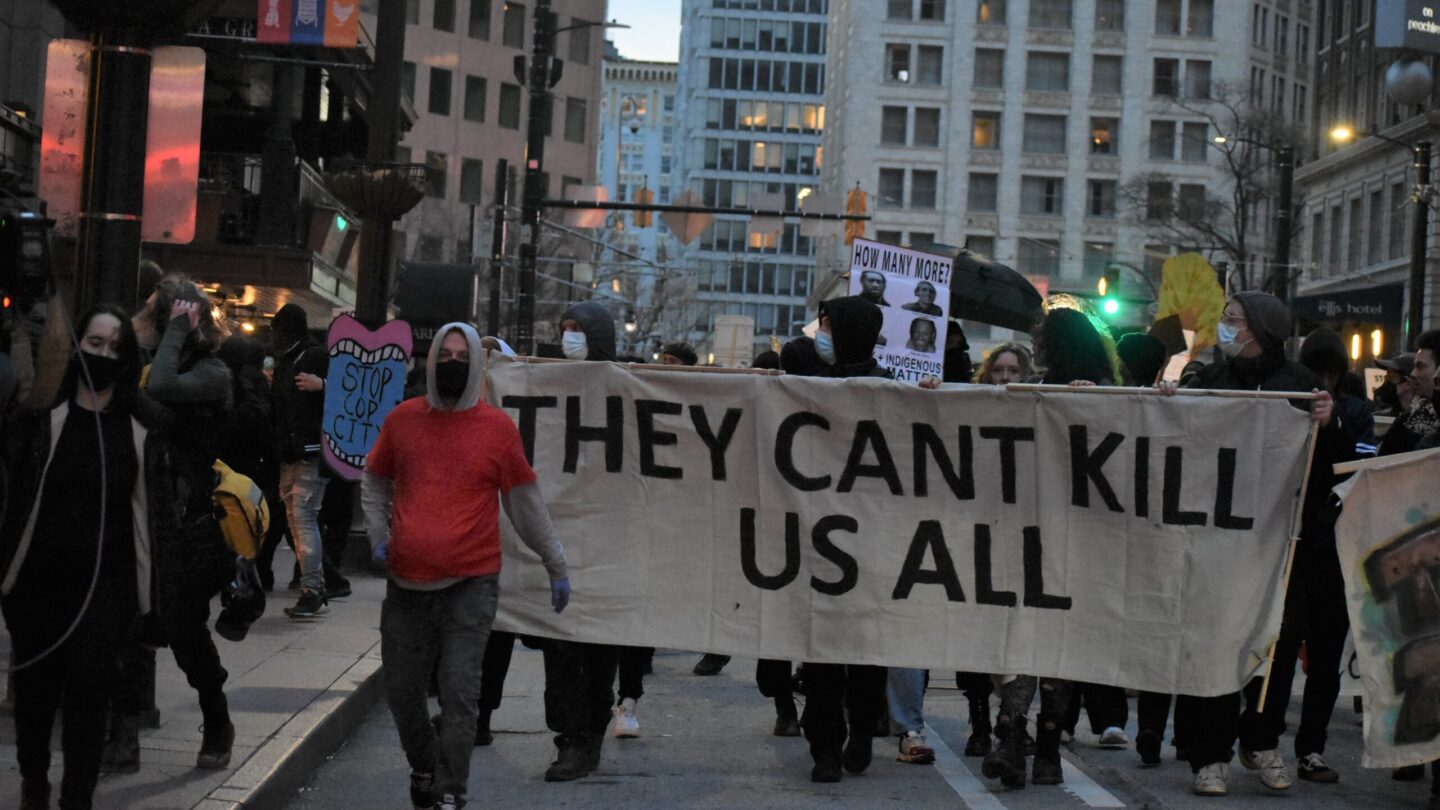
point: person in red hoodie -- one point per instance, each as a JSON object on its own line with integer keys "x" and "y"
{"x": 432, "y": 491}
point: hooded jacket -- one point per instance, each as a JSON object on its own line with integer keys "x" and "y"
{"x": 598, "y": 326}
{"x": 298, "y": 414}
{"x": 854, "y": 327}
{"x": 474, "y": 383}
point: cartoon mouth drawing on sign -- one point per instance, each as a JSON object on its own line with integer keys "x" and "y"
{"x": 1404, "y": 578}
{"x": 365, "y": 381}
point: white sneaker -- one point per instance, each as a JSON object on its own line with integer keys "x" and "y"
{"x": 1271, "y": 766}
{"x": 1113, "y": 738}
{"x": 626, "y": 725}
{"x": 1212, "y": 780}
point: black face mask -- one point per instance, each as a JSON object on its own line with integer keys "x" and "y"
{"x": 103, "y": 370}
{"x": 450, "y": 378}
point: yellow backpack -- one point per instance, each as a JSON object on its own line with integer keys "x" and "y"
{"x": 241, "y": 511}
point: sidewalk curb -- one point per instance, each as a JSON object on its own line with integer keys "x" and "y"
{"x": 280, "y": 767}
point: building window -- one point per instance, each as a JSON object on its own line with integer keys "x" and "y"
{"x": 1050, "y": 13}
{"x": 897, "y": 62}
{"x": 892, "y": 188}
{"x": 922, "y": 188}
{"x": 513, "y": 34}
{"x": 439, "y": 91}
{"x": 894, "y": 121}
{"x": 1047, "y": 71}
{"x": 1352, "y": 239}
{"x": 1109, "y": 15}
{"x": 509, "y": 116}
{"x": 1166, "y": 79}
{"x": 1044, "y": 134}
{"x": 1399, "y": 208}
{"x": 1042, "y": 195}
{"x": 990, "y": 12}
{"x": 985, "y": 131}
{"x": 439, "y": 165}
{"x": 989, "y": 68}
{"x": 898, "y": 9}
{"x": 1159, "y": 200}
{"x": 407, "y": 80}
{"x": 1192, "y": 202}
{"x": 1100, "y": 202}
{"x": 475, "y": 99}
{"x": 927, "y": 126}
{"x": 1197, "y": 78}
{"x": 580, "y": 42}
{"x": 444, "y": 16}
{"x": 1162, "y": 140}
{"x": 1201, "y": 22}
{"x": 472, "y": 180}
{"x": 984, "y": 192}
{"x": 480, "y": 19}
{"x": 575, "y": 120}
{"x": 1105, "y": 79}
{"x": 1195, "y": 142}
{"x": 928, "y": 67}
{"x": 889, "y": 237}
{"x": 412, "y": 12}
{"x": 1317, "y": 244}
{"x": 1167, "y": 18}
{"x": 983, "y": 245}
{"x": 1104, "y": 136}
{"x": 1039, "y": 256}
{"x": 932, "y": 10}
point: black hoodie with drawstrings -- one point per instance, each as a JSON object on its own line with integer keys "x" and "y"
{"x": 598, "y": 326}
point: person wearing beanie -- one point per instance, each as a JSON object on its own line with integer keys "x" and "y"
{"x": 1142, "y": 358}
{"x": 678, "y": 354}
{"x": 1251, "y": 334}
{"x": 299, "y": 401}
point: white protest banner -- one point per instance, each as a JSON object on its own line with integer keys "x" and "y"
{"x": 912, "y": 289}
{"x": 1388, "y": 537}
{"x": 1126, "y": 539}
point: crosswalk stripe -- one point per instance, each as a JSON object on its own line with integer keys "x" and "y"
{"x": 970, "y": 790}
{"x": 1082, "y": 787}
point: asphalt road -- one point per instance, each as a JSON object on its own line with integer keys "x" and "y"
{"x": 706, "y": 743}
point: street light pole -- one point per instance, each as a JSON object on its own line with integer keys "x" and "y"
{"x": 540, "y": 55}
{"x": 1419, "y": 244}
{"x": 1284, "y": 222}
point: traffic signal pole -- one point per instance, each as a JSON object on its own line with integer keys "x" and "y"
{"x": 539, "y": 78}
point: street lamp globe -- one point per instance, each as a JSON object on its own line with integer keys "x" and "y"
{"x": 1409, "y": 81}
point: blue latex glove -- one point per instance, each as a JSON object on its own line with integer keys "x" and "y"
{"x": 381, "y": 553}
{"x": 560, "y": 594}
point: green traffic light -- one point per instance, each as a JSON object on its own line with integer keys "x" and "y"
{"x": 1111, "y": 306}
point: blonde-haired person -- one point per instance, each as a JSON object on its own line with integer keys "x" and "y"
{"x": 1006, "y": 363}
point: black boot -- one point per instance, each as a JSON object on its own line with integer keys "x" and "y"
{"x": 34, "y": 795}
{"x": 857, "y": 750}
{"x": 827, "y": 764}
{"x": 122, "y": 748}
{"x": 219, "y": 733}
{"x": 482, "y": 728}
{"x": 590, "y": 745}
{"x": 978, "y": 745}
{"x": 1007, "y": 761}
{"x": 571, "y": 763}
{"x": 787, "y": 722}
{"x": 1046, "y": 770}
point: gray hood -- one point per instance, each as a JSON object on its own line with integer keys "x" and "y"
{"x": 474, "y": 384}
{"x": 598, "y": 326}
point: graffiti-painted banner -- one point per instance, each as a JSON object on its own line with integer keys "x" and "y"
{"x": 1389, "y": 543}
{"x": 1126, "y": 539}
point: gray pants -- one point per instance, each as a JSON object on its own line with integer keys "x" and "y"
{"x": 440, "y": 631}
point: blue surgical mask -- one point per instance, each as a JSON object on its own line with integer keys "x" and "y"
{"x": 574, "y": 346}
{"x": 825, "y": 347}
{"x": 1226, "y": 335}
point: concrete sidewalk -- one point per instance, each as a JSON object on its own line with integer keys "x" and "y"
{"x": 296, "y": 689}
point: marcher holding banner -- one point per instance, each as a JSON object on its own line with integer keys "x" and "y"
{"x": 441, "y": 468}
{"x": 1252, "y": 332}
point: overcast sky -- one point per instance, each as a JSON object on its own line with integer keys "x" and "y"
{"x": 654, "y": 33}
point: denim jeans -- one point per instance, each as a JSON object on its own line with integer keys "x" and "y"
{"x": 905, "y": 691}
{"x": 302, "y": 487}
{"x": 443, "y": 632}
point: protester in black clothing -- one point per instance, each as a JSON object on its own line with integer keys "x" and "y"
{"x": 1315, "y": 612}
{"x": 1252, "y": 333}
{"x": 801, "y": 358}
{"x": 1142, "y": 358}
{"x": 580, "y": 677}
{"x": 767, "y": 359}
{"x": 958, "y": 368}
{"x": 76, "y": 546}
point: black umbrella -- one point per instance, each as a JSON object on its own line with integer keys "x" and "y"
{"x": 987, "y": 291}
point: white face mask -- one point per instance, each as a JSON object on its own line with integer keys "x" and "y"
{"x": 825, "y": 347}
{"x": 574, "y": 346}
{"x": 1226, "y": 334}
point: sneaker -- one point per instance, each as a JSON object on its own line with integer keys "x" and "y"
{"x": 1270, "y": 765}
{"x": 711, "y": 664}
{"x": 857, "y": 753}
{"x": 914, "y": 750}
{"x": 1114, "y": 739}
{"x": 625, "y": 723}
{"x": 447, "y": 802}
{"x": 311, "y": 605}
{"x": 339, "y": 589}
{"x": 827, "y": 769}
{"x": 422, "y": 790}
{"x": 787, "y": 726}
{"x": 1212, "y": 780}
{"x": 1312, "y": 768}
